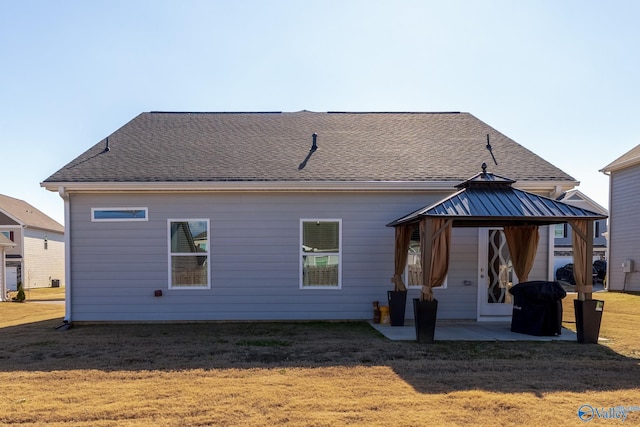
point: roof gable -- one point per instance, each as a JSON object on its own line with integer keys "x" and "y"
{"x": 578, "y": 198}
{"x": 628, "y": 159}
{"x": 351, "y": 147}
{"x": 22, "y": 213}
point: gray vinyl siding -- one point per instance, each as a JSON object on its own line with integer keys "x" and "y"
{"x": 540, "y": 270}
{"x": 624, "y": 229}
{"x": 254, "y": 258}
{"x": 459, "y": 301}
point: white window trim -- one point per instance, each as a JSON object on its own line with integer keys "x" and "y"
{"x": 301, "y": 253}
{"x": 170, "y": 254}
{"x": 94, "y": 210}
{"x": 564, "y": 231}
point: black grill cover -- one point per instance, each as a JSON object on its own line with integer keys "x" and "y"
{"x": 537, "y": 308}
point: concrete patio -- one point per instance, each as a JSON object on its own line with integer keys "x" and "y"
{"x": 467, "y": 330}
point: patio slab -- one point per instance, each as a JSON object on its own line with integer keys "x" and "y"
{"x": 453, "y": 330}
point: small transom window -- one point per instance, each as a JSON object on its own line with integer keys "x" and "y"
{"x": 119, "y": 214}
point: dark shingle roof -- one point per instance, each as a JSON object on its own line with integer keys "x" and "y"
{"x": 209, "y": 147}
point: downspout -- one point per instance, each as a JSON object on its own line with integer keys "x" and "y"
{"x": 67, "y": 253}
{"x": 609, "y": 226}
{"x": 557, "y": 192}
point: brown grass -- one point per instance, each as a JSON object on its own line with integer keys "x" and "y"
{"x": 311, "y": 374}
{"x": 42, "y": 294}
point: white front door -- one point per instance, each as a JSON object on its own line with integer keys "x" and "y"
{"x": 12, "y": 278}
{"x": 495, "y": 276}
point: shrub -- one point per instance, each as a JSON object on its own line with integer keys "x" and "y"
{"x": 20, "y": 297}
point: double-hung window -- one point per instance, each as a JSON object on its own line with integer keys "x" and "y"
{"x": 320, "y": 254}
{"x": 189, "y": 254}
{"x": 561, "y": 231}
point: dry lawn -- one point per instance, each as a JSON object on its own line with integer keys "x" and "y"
{"x": 42, "y": 294}
{"x": 304, "y": 374}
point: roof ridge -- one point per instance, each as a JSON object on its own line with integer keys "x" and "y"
{"x": 394, "y": 112}
{"x": 304, "y": 111}
{"x": 215, "y": 112}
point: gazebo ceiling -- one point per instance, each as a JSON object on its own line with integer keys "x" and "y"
{"x": 490, "y": 200}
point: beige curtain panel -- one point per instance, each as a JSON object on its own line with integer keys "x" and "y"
{"x": 582, "y": 268}
{"x": 403, "y": 240}
{"x": 435, "y": 240}
{"x": 523, "y": 243}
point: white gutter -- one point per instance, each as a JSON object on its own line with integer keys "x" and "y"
{"x": 616, "y": 166}
{"x": 293, "y": 186}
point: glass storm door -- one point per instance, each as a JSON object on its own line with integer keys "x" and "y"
{"x": 495, "y": 276}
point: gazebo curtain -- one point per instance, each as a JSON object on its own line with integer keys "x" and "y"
{"x": 435, "y": 241}
{"x": 582, "y": 254}
{"x": 403, "y": 240}
{"x": 523, "y": 243}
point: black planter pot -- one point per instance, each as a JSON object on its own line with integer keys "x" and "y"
{"x": 588, "y": 318}
{"x": 424, "y": 313}
{"x": 397, "y": 306}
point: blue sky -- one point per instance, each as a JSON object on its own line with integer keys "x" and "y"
{"x": 559, "y": 77}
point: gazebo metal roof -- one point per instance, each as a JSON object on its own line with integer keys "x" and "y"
{"x": 490, "y": 200}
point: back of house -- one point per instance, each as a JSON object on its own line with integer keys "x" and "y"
{"x": 277, "y": 216}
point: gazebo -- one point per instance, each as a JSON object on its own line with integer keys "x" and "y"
{"x": 488, "y": 200}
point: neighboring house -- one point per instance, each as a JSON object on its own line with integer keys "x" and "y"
{"x": 37, "y": 259}
{"x": 276, "y": 216}
{"x": 563, "y": 253}
{"x": 624, "y": 226}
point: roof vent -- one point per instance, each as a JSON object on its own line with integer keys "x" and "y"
{"x": 106, "y": 145}
{"x": 314, "y": 147}
{"x": 491, "y": 151}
